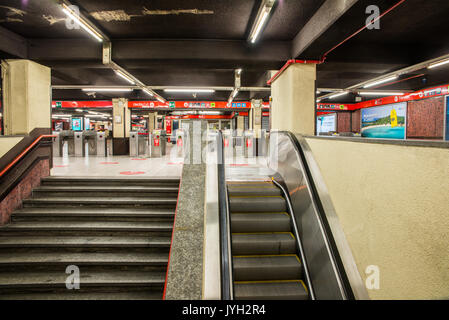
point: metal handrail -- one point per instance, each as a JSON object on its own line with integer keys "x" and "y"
{"x": 298, "y": 241}
{"x": 225, "y": 230}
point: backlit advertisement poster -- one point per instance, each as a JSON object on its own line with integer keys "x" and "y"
{"x": 76, "y": 124}
{"x": 447, "y": 118}
{"x": 326, "y": 123}
{"x": 385, "y": 122}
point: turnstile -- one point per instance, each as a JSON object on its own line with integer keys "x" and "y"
{"x": 57, "y": 144}
{"x": 79, "y": 144}
{"x": 133, "y": 144}
{"x": 180, "y": 143}
{"x": 67, "y": 141}
{"x": 250, "y": 144}
{"x": 101, "y": 144}
{"x": 158, "y": 143}
{"x": 90, "y": 139}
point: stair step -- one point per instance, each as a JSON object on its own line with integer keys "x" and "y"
{"x": 87, "y": 278}
{"x": 83, "y": 242}
{"x": 82, "y": 259}
{"x": 82, "y": 295}
{"x": 100, "y": 201}
{"x": 257, "y": 204}
{"x": 105, "y": 191}
{"x": 257, "y": 190}
{"x": 107, "y": 181}
{"x": 266, "y": 267}
{"x": 261, "y": 244}
{"x": 275, "y": 290}
{"x": 260, "y": 222}
{"x": 86, "y": 226}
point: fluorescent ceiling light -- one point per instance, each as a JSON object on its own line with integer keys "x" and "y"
{"x": 108, "y": 89}
{"x": 437, "y": 64}
{"x": 160, "y": 99}
{"x": 338, "y": 95}
{"x": 124, "y": 76}
{"x": 189, "y": 90}
{"x": 380, "y": 81}
{"x": 234, "y": 93}
{"x": 82, "y": 23}
{"x": 239, "y": 71}
{"x": 148, "y": 92}
{"x": 380, "y": 93}
{"x": 260, "y": 24}
{"x": 210, "y": 112}
{"x": 318, "y": 92}
{"x": 318, "y": 100}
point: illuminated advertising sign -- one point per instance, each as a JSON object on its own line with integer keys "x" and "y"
{"x": 385, "y": 122}
{"x": 326, "y": 123}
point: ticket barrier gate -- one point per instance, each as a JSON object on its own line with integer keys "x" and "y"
{"x": 180, "y": 141}
{"x": 143, "y": 147}
{"x": 101, "y": 144}
{"x": 90, "y": 139}
{"x": 250, "y": 144}
{"x": 67, "y": 139}
{"x": 80, "y": 150}
{"x": 133, "y": 144}
{"x": 57, "y": 144}
{"x": 262, "y": 143}
{"x": 158, "y": 144}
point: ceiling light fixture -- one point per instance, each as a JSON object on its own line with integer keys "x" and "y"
{"x": 261, "y": 19}
{"x": 338, "y": 95}
{"x": 147, "y": 91}
{"x": 190, "y": 90}
{"x": 438, "y": 64}
{"x": 108, "y": 89}
{"x": 380, "y": 93}
{"x": 380, "y": 81}
{"x": 66, "y": 9}
{"x": 124, "y": 76}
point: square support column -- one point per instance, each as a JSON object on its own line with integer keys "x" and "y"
{"x": 27, "y": 96}
{"x": 293, "y": 106}
{"x": 121, "y": 126}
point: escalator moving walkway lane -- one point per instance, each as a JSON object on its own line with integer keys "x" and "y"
{"x": 264, "y": 251}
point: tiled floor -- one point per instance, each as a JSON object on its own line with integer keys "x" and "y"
{"x": 168, "y": 166}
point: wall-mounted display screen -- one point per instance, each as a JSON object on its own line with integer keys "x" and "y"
{"x": 77, "y": 124}
{"x": 386, "y": 122}
{"x": 326, "y": 123}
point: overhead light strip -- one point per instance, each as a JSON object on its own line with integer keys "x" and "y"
{"x": 82, "y": 23}
{"x": 124, "y": 76}
{"x": 261, "y": 19}
{"x": 381, "y": 81}
{"x": 338, "y": 95}
{"x": 438, "y": 64}
{"x": 380, "y": 93}
{"x": 190, "y": 90}
{"x": 108, "y": 89}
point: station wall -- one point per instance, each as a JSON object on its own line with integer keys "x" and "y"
{"x": 391, "y": 203}
{"x": 425, "y": 119}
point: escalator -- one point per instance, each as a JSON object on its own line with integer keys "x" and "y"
{"x": 265, "y": 257}
{"x": 279, "y": 234}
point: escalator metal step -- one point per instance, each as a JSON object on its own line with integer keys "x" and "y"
{"x": 263, "y": 243}
{"x": 257, "y": 204}
{"x": 271, "y": 290}
{"x": 267, "y": 267}
{"x": 270, "y": 190}
{"x": 260, "y": 222}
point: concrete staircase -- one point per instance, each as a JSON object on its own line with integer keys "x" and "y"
{"x": 117, "y": 231}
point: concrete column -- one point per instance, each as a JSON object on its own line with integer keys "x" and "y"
{"x": 151, "y": 121}
{"x": 256, "y": 116}
{"x": 185, "y": 271}
{"x": 27, "y": 96}
{"x": 293, "y": 94}
{"x": 121, "y": 125}
{"x": 240, "y": 125}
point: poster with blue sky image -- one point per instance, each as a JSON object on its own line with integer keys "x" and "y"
{"x": 385, "y": 122}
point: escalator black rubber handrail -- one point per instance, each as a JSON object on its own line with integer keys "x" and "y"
{"x": 298, "y": 240}
{"x": 349, "y": 295}
{"x": 225, "y": 233}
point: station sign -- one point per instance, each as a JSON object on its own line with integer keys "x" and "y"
{"x": 81, "y": 104}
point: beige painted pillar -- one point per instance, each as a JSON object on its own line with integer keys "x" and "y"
{"x": 121, "y": 118}
{"x": 27, "y": 96}
{"x": 151, "y": 121}
{"x": 293, "y": 93}
{"x": 240, "y": 125}
{"x": 256, "y": 116}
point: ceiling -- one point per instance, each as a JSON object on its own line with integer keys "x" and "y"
{"x": 201, "y": 43}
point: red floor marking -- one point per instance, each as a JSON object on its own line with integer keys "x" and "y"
{"x": 131, "y": 173}
{"x": 139, "y": 159}
{"x": 239, "y": 165}
{"x": 174, "y": 163}
{"x": 108, "y": 162}
{"x": 61, "y": 166}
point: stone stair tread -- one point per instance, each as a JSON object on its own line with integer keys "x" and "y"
{"x": 87, "y": 225}
{"x": 104, "y": 200}
{"x": 106, "y": 212}
{"x": 128, "y": 188}
{"x": 52, "y": 278}
{"x": 77, "y": 295}
{"x": 88, "y": 241}
{"x": 65, "y": 258}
